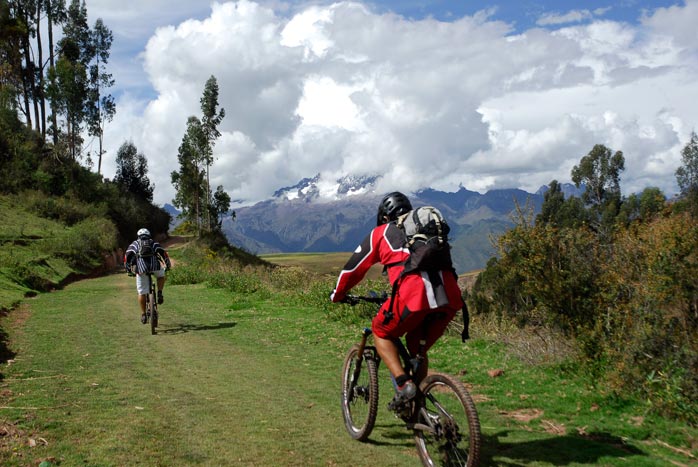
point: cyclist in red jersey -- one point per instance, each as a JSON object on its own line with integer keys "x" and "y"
{"x": 417, "y": 294}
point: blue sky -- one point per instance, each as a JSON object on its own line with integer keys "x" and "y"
{"x": 439, "y": 93}
{"x": 523, "y": 14}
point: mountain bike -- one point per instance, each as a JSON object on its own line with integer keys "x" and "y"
{"x": 151, "y": 304}
{"x": 442, "y": 416}
{"x": 151, "y": 300}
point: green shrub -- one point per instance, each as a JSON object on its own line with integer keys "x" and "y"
{"x": 84, "y": 244}
{"x": 68, "y": 211}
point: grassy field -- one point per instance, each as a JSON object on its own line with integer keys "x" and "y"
{"x": 248, "y": 379}
{"x": 319, "y": 263}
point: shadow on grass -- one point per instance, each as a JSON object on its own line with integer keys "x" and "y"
{"x": 5, "y": 352}
{"x": 560, "y": 450}
{"x": 182, "y": 328}
{"x": 496, "y": 451}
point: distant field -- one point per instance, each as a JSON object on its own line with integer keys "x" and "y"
{"x": 332, "y": 263}
{"x": 320, "y": 263}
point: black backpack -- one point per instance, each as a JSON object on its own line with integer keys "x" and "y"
{"x": 146, "y": 247}
{"x": 426, "y": 232}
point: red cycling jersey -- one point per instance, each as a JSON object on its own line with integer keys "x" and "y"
{"x": 417, "y": 294}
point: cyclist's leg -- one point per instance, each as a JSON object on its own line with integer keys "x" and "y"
{"x": 160, "y": 274}
{"x": 142, "y": 286}
{"x": 387, "y": 327}
{"x": 439, "y": 318}
{"x": 141, "y": 302}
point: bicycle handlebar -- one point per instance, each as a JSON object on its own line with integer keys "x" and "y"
{"x": 372, "y": 297}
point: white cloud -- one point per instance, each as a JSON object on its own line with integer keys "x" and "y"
{"x": 341, "y": 90}
{"x": 574, "y": 16}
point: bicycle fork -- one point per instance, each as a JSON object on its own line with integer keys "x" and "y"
{"x": 357, "y": 370}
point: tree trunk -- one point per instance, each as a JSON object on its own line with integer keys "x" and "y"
{"x": 51, "y": 59}
{"x": 27, "y": 90}
{"x": 208, "y": 198}
{"x": 42, "y": 100}
{"x": 101, "y": 140}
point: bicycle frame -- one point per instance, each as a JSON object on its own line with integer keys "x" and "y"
{"x": 442, "y": 416}
{"x": 151, "y": 302}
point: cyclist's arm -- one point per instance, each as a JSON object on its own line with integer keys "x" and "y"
{"x": 163, "y": 256}
{"x": 365, "y": 256}
{"x": 130, "y": 256}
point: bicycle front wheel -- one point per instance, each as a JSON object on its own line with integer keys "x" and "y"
{"x": 153, "y": 310}
{"x": 359, "y": 393}
{"x": 447, "y": 430}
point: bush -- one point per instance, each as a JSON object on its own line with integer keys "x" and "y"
{"x": 83, "y": 245}
{"x": 68, "y": 211}
{"x": 631, "y": 304}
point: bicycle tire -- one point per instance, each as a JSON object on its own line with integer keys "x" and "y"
{"x": 155, "y": 316}
{"x": 152, "y": 307}
{"x": 360, "y": 404}
{"x": 453, "y": 437}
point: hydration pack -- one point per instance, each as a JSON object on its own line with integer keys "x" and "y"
{"x": 146, "y": 247}
{"x": 426, "y": 231}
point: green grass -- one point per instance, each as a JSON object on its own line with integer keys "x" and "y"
{"x": 253, "y": 379}
{"x": 37, "y": 254}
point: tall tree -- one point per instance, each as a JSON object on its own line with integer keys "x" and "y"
{"x": 600, "y": 172}
{"x": 212, "y": 117}
{"x": 687, "y": 174}
{"x": 189, "y": 180}
{"x": 23, "y": 12}
{"x": 221, "y": 206}
{"x": 69, "y": 82}
{"x": 11, "y": 81}
{"x": 101, "y": 108}
{"x": 132, "y": 172}
{"x": 40, "y": 96}
{"x": 55, "y": 14}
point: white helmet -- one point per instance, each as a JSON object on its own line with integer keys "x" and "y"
{"x": 144, "y": 233}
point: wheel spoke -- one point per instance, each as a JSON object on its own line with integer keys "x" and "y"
{"x": 453, "y": 436}
{"x": 359, "y": 395}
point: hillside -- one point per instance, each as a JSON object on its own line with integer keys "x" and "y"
{"x": 39, "y": 251}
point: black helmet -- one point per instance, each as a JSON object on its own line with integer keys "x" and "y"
{"x": 392, "y": 206}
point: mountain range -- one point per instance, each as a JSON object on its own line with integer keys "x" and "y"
{"x": 300, "y": 218}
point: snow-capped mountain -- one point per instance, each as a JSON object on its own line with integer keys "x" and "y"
{"x": 311, "y": 189}
{"x": 299, "y": 219}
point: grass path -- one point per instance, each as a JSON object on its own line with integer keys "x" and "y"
{"x": 225, "y": 382}
{"x": 239, "y": 380}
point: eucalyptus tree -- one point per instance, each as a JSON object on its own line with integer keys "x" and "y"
{"x": 11, "y": 81}
{"x": 221, "y": 206}
{"x": 212, "y": 117}
{"x": 189, "y": 181}
{"x": 687, "y": 173}
{"x": 77, "y": 81}
{"x": 68, "y": 82}
{"x": 55, "y": 15}
{"x": 22, "y": 26}
{"x": 600, "y": 172}
{"x": 101, "y": 108}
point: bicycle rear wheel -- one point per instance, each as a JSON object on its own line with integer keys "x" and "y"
{"x": 447, "y": 431}
{"x": 359, "y": 393}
